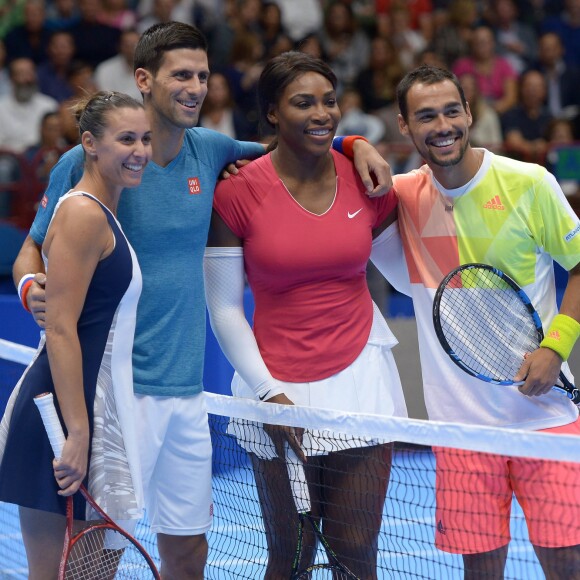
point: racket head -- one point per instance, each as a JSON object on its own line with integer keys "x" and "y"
{"x": 485, "y": 322}
{"x": 102, "y": 550}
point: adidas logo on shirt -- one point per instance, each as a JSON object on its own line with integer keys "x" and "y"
{"x": 494, "y": 203}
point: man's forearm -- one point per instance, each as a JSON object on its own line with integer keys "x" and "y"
{"x": 28, "y": 261}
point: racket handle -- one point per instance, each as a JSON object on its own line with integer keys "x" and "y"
{"x": 45, "y": 404}
{"x": 574, "y": 395}
{"x": 298, "y": 483}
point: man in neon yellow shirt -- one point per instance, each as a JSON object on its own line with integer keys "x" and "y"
{"x": 470, "y": 205}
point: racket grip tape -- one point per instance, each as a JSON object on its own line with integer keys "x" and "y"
{"x": 298, "y": 483}
{"x": 45, "y": 404}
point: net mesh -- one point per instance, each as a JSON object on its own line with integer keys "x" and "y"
{"x": 366, "y": 522}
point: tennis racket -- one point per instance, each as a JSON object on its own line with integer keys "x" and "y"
{"x": 333, "y": 568}
{"x": 487, "y": 325}
{"x": 102, "y": 550}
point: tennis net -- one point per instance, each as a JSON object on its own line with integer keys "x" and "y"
{"x": 250, "y": 490}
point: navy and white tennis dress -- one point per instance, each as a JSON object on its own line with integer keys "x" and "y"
{"x": 106, "y": 328}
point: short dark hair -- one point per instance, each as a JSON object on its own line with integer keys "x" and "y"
{"x": 428, "y": 75}
{"x": 283, "y": 69}
{"x": 163, "y": 37}
{"x": 91, "y": 113}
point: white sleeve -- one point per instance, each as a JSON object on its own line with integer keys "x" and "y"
{"x": 388, "y": 256}
{"x": 224, "y": 294}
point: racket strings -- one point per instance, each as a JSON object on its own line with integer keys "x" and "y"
{"x": 486, "y": 323}
{"x": 104, "y": 554}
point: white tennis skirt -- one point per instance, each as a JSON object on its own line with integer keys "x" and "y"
{"x": 371, "y": 384}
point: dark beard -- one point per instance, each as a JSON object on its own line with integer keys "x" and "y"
{"x": 24, "y": 93}
{"x": 449, "y": 162}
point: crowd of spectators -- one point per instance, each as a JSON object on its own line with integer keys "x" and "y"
{"x": 518, "y": 60}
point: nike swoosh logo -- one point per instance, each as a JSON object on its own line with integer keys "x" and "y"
{"x": 263, "y": 396}
{"x": 351, "y": 215}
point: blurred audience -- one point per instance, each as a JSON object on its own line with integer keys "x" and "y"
{"x": 62, "y": 14}
{"x": 282, "y": 44}
{"x": 420, "y": 13}
{"x": 158, "y": 11}
{"x": 397, "y": 149}
{"x": 116, "y": 73}
{"x": 408, "y": 42}
{"x": 116, "y": 13}
{"x": 11, "y": 15}
{"x": 220, "y": 113}
{"x": 345, "y": 44}
{"x": 378, "y": 82}
{"x": 301, "y": 17}
{"x": 94, "y": 41}
{"x": 80, "y": 78}
{"x": 189, "y": 11}
{"x": 535, "y": 12}
{"x": 44, "y": 154}
{"x": 53, "y": 71}
{"x": 453, "y": 30}
{"x": 430, "y": 57}
{"x": 355, "y": 121}
{"x": 271, "y": 27}
{"x": 562, "y": 79}
{"x": 30, "y": 39}
{"x": 524, "y": 126}
{"x": 4, "y": 74}
{"x": 485, "y": 130}
{"x": 563, "y": 158}
{"x": 516, "y": 41}
{"x": 22, "y": 110}
{"x": 243, "y": 72}
{"x": 496, "y": 79}
{"x": 240, "y": 18}
{"x": 566, "y": 24}
{"x": 311, "y": 44}
{"x": 518, "y": 62}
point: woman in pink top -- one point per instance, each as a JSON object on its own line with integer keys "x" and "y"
{"x": 496, "y": 79}
{"x": 299, "y": 225}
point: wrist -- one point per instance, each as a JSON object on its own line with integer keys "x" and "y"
{"x": 23, "y": 288}
{"x": 345, "y": 145}
{"x": 266, "y": 391}
{"x": 562, "y": 335}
